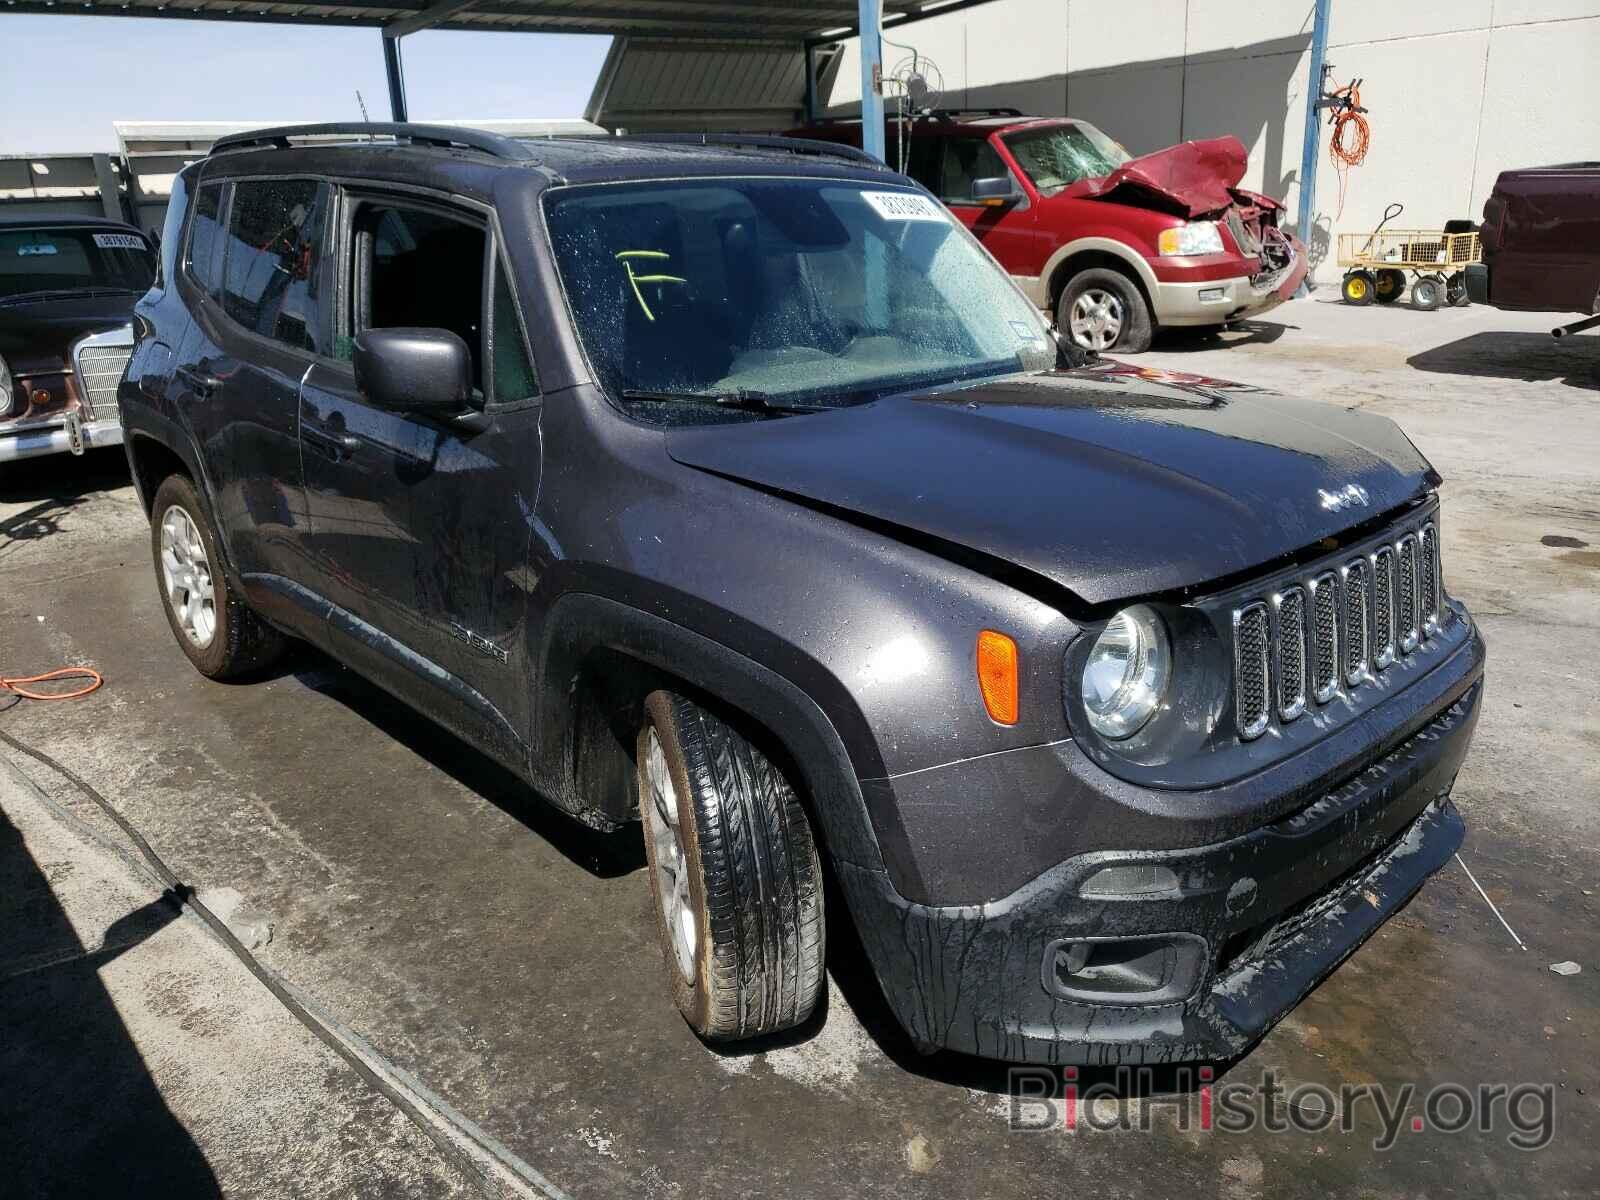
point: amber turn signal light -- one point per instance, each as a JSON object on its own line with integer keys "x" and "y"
{"x": 997, "y": 675}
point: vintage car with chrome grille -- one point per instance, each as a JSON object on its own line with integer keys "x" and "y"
{"x": 67, "y": 289}
{"x": 726, "y": 485}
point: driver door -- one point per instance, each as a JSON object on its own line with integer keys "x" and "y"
{"x": 420, "y": 523}
{"x": 1009, "y": 231}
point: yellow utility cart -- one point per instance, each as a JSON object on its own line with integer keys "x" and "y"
{"x": 1376, "y": 263}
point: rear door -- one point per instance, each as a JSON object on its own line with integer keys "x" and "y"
{"x": 256, "y": 288}
{"x": 420, "y": 525}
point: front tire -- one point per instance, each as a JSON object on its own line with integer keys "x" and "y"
{"x": 215, "y": 629}
{"x": 1357, "y": 288}
{"x": 1101, "y": 309}
{"x": 734, "y": 871}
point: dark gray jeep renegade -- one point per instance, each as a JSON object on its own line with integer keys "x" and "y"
{"x": 730, "y": 485}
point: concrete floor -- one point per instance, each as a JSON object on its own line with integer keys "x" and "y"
{"x": 504, "y": 956}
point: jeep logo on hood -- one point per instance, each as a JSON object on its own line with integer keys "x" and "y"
{"x": 1350, "y": 495}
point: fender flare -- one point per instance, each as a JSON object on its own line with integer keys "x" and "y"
{"x": 1140, "y": 267}
{"x": 580, "y": 623}
{"x": 161, "y": 430}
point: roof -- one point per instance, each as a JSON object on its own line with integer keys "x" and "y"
{"x": 64, "y": 221}
{"x": 788, "y": 21}
{"x": 467, "y": 157}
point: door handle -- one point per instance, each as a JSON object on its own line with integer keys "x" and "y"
{"x": 337, "y": 445}
{"x": 202, "y": 383}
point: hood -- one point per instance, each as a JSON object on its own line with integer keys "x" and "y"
{"x": 1111, "y": 482}
{"x": 1192, "y": 179}
{"x": 38, "y": 334}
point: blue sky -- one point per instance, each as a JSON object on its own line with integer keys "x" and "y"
{"x": 128, "y": 69}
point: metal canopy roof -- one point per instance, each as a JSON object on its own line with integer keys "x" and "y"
{"x": 788, "y": 21}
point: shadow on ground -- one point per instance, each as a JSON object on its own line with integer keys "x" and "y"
{"x": 1179, "y": 340}
{"x": 82, "y": 1115}
{"x": 604, "y": 855}
{"x": 1525, "y": 357}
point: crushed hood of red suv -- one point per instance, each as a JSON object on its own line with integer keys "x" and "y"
{"x": 1193, "y": 179}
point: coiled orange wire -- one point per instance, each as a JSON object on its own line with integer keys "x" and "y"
{"x": 1348, "y": 119}
{"x": 89, "y": 673}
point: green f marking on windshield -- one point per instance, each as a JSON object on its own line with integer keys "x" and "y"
{"x": 626, "y": 257}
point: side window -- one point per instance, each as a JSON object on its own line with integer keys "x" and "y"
{"x": 272, "y": 271}
{"x": 513, "y": 372}
{"x": 966, "y": 159}
{"x": 204, "y": 262}
{"x": 416, "y": 267}
{"x": 922, "y": 161}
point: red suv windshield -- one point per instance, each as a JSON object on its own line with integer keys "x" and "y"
{"x": 1057, "y": 155}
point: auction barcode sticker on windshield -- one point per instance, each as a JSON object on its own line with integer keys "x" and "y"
{"x": 904, "y": 206}
{"x": 118, "y": 241}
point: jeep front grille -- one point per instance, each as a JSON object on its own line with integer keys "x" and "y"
{"x": 1324, "y": 637}
{"x": 100, "y": 368}
{"x": 1337, "y": 630}
{"x": 1289, "y": 649}
{"x": 1428, "y": 576}
{"x": 1251, "y": 646}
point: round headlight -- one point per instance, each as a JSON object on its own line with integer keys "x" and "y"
{"x": 1127, "y": 672}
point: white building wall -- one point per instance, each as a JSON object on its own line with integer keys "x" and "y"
{"x": 1459, "y": 90}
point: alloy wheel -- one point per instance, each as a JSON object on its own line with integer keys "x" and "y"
{"x": 1096, "y": 319}
{"x": 671, "y": 863}
{"x": 186, "y": 577}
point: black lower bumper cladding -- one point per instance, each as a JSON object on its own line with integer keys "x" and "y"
{"x": 1247, "y": 926}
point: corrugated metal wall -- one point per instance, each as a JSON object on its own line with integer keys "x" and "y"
{"x": 656, "y": 85}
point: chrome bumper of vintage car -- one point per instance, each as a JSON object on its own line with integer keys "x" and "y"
{"x": 57, "y": 438}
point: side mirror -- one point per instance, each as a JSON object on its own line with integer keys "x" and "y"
{"x": 996, "y": 190}
{"x": 414, "y": 370}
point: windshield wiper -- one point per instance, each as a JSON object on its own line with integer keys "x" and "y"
{"x": 67, "y": 293}
{"x": 740, "y": 398}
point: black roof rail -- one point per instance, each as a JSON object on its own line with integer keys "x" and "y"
{"x": 446, "y": 136}
{"x": 760, "y": 141}
{"x": 976, "y": 112}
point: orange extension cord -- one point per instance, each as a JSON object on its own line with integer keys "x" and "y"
{"x": 1348, "y": 119}
{"x": 89, "y": 673}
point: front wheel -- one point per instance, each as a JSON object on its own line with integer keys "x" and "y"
{"x": 734, "y": 873}
{"x": 1101, "y": 309}
{"x": 1358, "y": 288}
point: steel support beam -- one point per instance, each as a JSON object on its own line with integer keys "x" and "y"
{"x": 811, "y": 83}
{"x": 1313, "y": 132}
{"x": 869, "y": 19}
{"x": 397, "y": 79}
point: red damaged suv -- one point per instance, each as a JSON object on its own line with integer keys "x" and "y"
{"x": 1114, "y": 246}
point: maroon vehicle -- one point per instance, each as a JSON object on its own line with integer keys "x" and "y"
{"x": 1541, "y": 241}
{"x": 1112, "y": 245}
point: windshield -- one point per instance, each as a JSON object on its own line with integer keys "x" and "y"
{"x": 1058, "y": 155}
{"x": 801, "y": 290}
{"x": 55, "y": 260}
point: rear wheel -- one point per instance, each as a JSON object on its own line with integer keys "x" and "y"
{"x": 734, "y": 874}
{"x": 1455, "y": 290}
{"x": 215, "y": 629}
{"x": 1358, "y": 288}
{"x": 1427, "y": 293}
{"x": 1388, "y": 285}
{"x": 1101, "y": 309}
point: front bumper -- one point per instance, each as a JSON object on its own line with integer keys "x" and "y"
{"x": 55, "y": 439}
{"x": 1213, "y": 301}
{"x": 1255, "y": 922}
